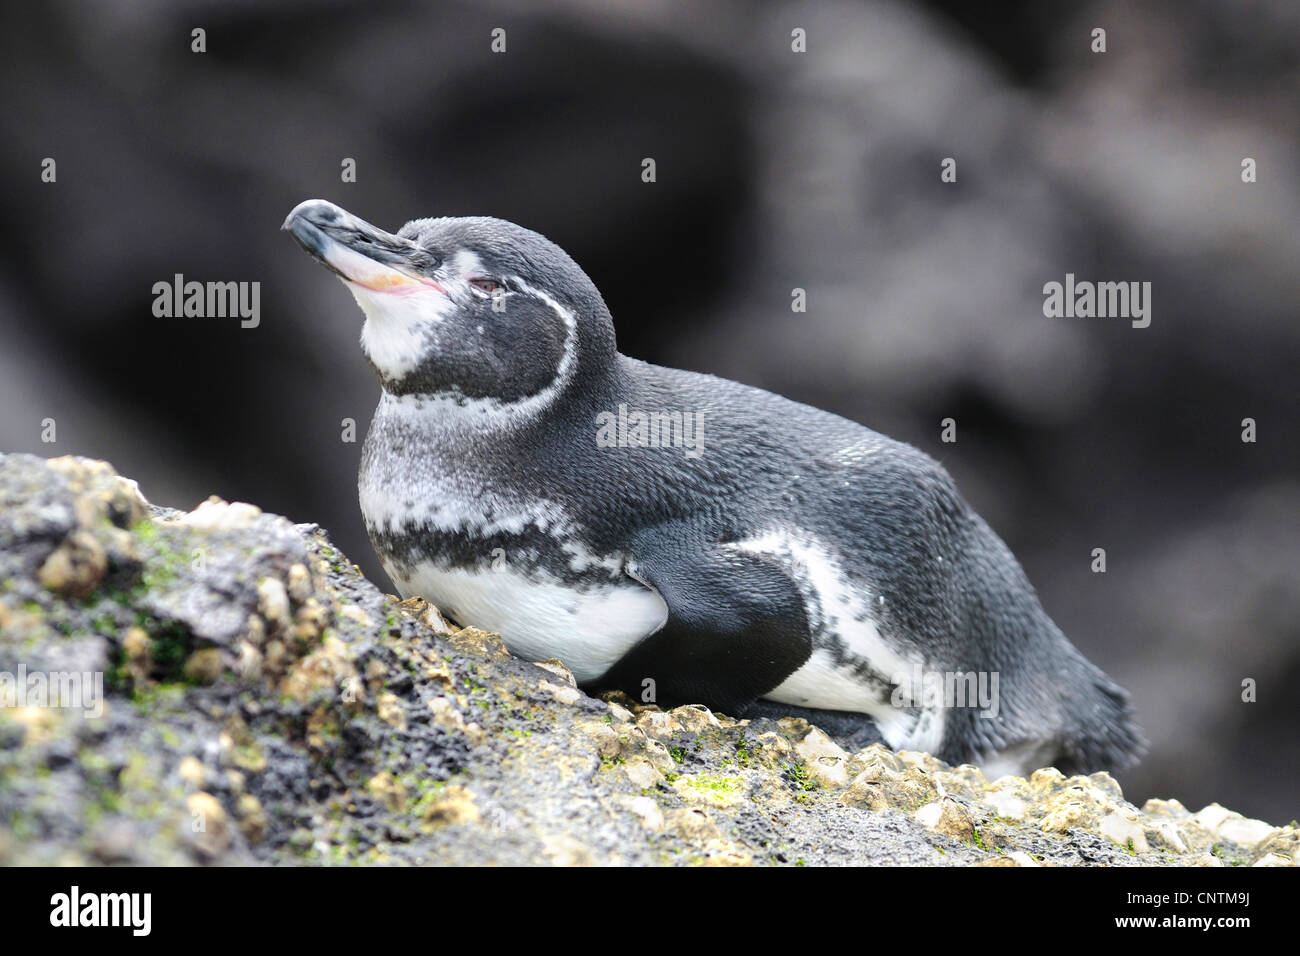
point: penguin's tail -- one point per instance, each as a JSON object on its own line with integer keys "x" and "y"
{"x": 1100, "y": 730}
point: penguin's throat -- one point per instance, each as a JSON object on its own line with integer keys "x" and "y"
{"x": 449, "y": 411}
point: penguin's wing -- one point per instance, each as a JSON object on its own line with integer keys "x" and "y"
{"x": 736, "y": 624}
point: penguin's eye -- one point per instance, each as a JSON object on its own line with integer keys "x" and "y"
{"x": 490, "y": 286}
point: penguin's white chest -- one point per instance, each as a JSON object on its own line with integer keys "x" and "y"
{"x": 541, "y": 617}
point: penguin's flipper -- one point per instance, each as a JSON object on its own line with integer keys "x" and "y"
{"x": 736, "y": 625}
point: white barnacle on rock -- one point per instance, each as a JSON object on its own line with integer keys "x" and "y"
{"x": 216, "y": 514}
{"x": 273, "y": 601}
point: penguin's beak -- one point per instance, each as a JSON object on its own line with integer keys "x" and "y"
{"x": 359, "y": 253}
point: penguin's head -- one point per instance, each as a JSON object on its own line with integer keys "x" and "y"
{"x": 476, "y": 310}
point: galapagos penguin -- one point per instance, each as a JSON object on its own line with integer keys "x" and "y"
{"x": 679, "y": 536}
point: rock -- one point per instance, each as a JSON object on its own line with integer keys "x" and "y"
{"x": 620, "y": 712}
{"x": 1212, "y": 816}
{"x": 310, "y": 621}
{"x": 455, "y": 806}
{"x": 76, "y": 567}
{"x": 249, "y": 662}
{"x": 658, "y": 724}
{"x": 875, "y": 755}
{"x": 216, "y": 514}
{"x": 965, "y": 781}
{"x": 426, "y": 614}
{"x": 712, "y": 790}
{"x": 390, "y": 710}
{"x": 695, "y": 719}
{"x": 113, "y": 843}
{"x": 388, "y": 790}
{"x": 641, "y": 772}
{"x": 647, "y": 810}
{"x": 827, "y": 763}
{"x": 1124, "y": 830}
{"x": 557, "y": 668}
{"x": 1284, "y": 842}
{"x": 1245, "y": 832}
{"x": 472, "y": 640}
{"x": 880, "y": 787}
{"x": 252, "y": 818}
{"x": 695, "y": 825}
{"x": 565, "y": 850}
{"x": 921, "y": 762}
{"x": 209, "y": 825}
{"x": 267, "y": 704}
{"x": 203, "y": 666}
{"x": 191, "y": 771}
{"x": 137, "y": 648}
{"x": 1046, "y": 781}
{"x": 1170, "y": 810}
{"x": 273, "y": 603}
{"x": 948, "y": 817}
{"x": 299, "y": 585}
{"x": 327, "y": 669}
{"x": 1005, "y": 802}
{"x": 565, "y": 694}
{"x": 1163, "y": 834}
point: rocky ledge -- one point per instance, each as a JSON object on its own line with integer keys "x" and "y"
{"x": 223, "y": 686}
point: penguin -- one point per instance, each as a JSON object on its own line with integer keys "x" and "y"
{"x": 678, "y": 536}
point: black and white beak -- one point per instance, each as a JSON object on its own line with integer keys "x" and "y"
{"x": 359, "y": 253}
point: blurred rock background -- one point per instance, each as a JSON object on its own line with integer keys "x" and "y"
{"x": 775, "y": 170}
